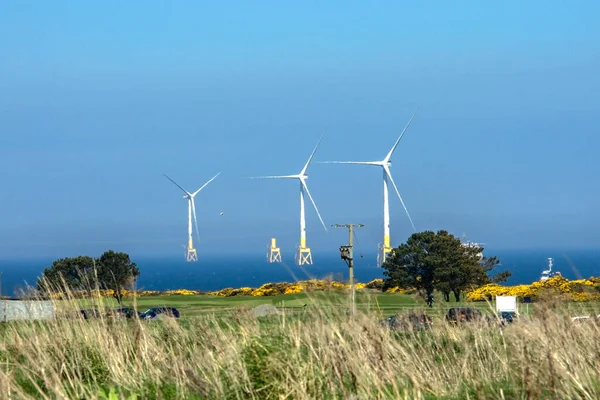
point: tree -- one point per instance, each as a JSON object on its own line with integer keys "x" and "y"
{"x": 76, "y": 273}
{"x": 410, "y": 265}
{"x": 449, "y": 259}
{"x": 116, "y": 271}
{"x": 430, "y": 260}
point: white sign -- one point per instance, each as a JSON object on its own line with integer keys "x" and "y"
{"x": 506, "y": 303}
{"x": 13, "y": 310}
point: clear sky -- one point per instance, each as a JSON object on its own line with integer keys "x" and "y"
{"x": 99, "y": 99}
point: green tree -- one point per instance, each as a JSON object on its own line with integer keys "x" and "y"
{"x": 410, "y": 265}
{"x": 450, "y": 260}
{"x": 76, "y": 273}
{"x": 116, "y": 271}
{"x": 430, "y": 260}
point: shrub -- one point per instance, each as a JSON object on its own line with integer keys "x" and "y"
{"x": 576, "y": 290}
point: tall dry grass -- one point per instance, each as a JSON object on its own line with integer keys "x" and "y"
{"x": 321, "y": 354}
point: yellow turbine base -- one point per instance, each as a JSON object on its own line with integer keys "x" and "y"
{"x": 192, "y": 256}
{"x": 304, "y": 257}
{"x": 274, "y": 255}
{"x": 384, "y": 253}
{"x": 384, "y": 250}
{"x": 386, "y": 242}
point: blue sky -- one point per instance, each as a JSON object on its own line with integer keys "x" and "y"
{"x": 98, "y": 100}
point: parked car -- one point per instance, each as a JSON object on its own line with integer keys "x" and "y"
{"x": 123, "y": 312}
{"x": 90, "y": 313}
{"x": 508, "y": 316}
{"x": 582, "y": 319}
{"x": 411, "y": 321}
{"x": 463, "y": 314}
{"x": 157, "y": 312}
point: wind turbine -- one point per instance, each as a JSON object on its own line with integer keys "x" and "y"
{"x": 191, "y": 255}
{"x": 303, "y": 256}
{"x": 385, "y": 164}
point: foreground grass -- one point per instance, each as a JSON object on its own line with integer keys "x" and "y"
{"x": 320, "y": 353}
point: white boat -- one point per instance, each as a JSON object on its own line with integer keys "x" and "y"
{"x": 548, "y": 273}
{"x": 473, "y": 245}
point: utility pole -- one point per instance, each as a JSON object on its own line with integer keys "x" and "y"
{"x": 347, "y": 255}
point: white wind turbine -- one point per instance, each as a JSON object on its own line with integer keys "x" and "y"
{"x": 385, "y": 164}
{"x": 303, "y": 256}
{"x": 191, "y": 251}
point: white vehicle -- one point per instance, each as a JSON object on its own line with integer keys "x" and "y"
{"x": 579, "y": 320}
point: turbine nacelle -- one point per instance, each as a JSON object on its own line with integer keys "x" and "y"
{"x": 302, "y": 177}
{"x": 386, "y": 163}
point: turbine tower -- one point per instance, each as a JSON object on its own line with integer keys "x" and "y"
{"x": 385, "y": 164}
{"x": 191, "y": 255}
{"x": 303, "y": 256}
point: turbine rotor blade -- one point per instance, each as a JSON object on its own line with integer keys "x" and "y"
{"x": 177, "y": 184}
{"x": 195, "y": 219}
{"x": 389, "y": 155}
{"x": 276, "y": 177}
{"x": 378, "y": 163}
{"x": 389, "y": 175}
{"x": 203, "y": 186}
{"x": 311, "y": 155}
{"x": 313, "y": 203}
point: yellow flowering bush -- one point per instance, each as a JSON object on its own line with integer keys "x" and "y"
{"x": 293, "y": 289}
{"x": 398, "y": 290}
{"x": 263, "y": 291}
{"x": 273, "y": 289}
{"x": 338, "y": 285}
{"x": 223, "y": 292}
{"x": 148, "y": 293}
{"x": 375, "y": 284}
{"x": 244, "y": 291}
{"x": 180, "y": 292}
{"x": 577, "y": 290}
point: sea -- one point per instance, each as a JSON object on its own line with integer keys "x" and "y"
{"x": 217, "y": 272}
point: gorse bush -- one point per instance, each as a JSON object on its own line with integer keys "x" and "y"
{"x": 580, "y": 290}
{"x": 321, "y": 353}
{"x": 576, "y": 290}
{"x": 268, "y": 289}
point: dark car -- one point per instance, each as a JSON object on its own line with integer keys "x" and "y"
{"x": 157, "y": 312}
{"x": 508, "y": 316}
{"x": 463, "y": 314}
{"x": 90, "y": 313}
{"x": 124, "y": 312}
{"x": 411, "y": 321}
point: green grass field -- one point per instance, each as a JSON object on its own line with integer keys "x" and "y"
{"x": 204, "y": 304}
{"x": 385, "y": 304}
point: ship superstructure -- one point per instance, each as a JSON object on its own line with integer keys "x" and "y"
{"x": 548, "y": 273}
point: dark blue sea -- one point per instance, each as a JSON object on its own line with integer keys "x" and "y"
{"x": 217, "y": 272}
